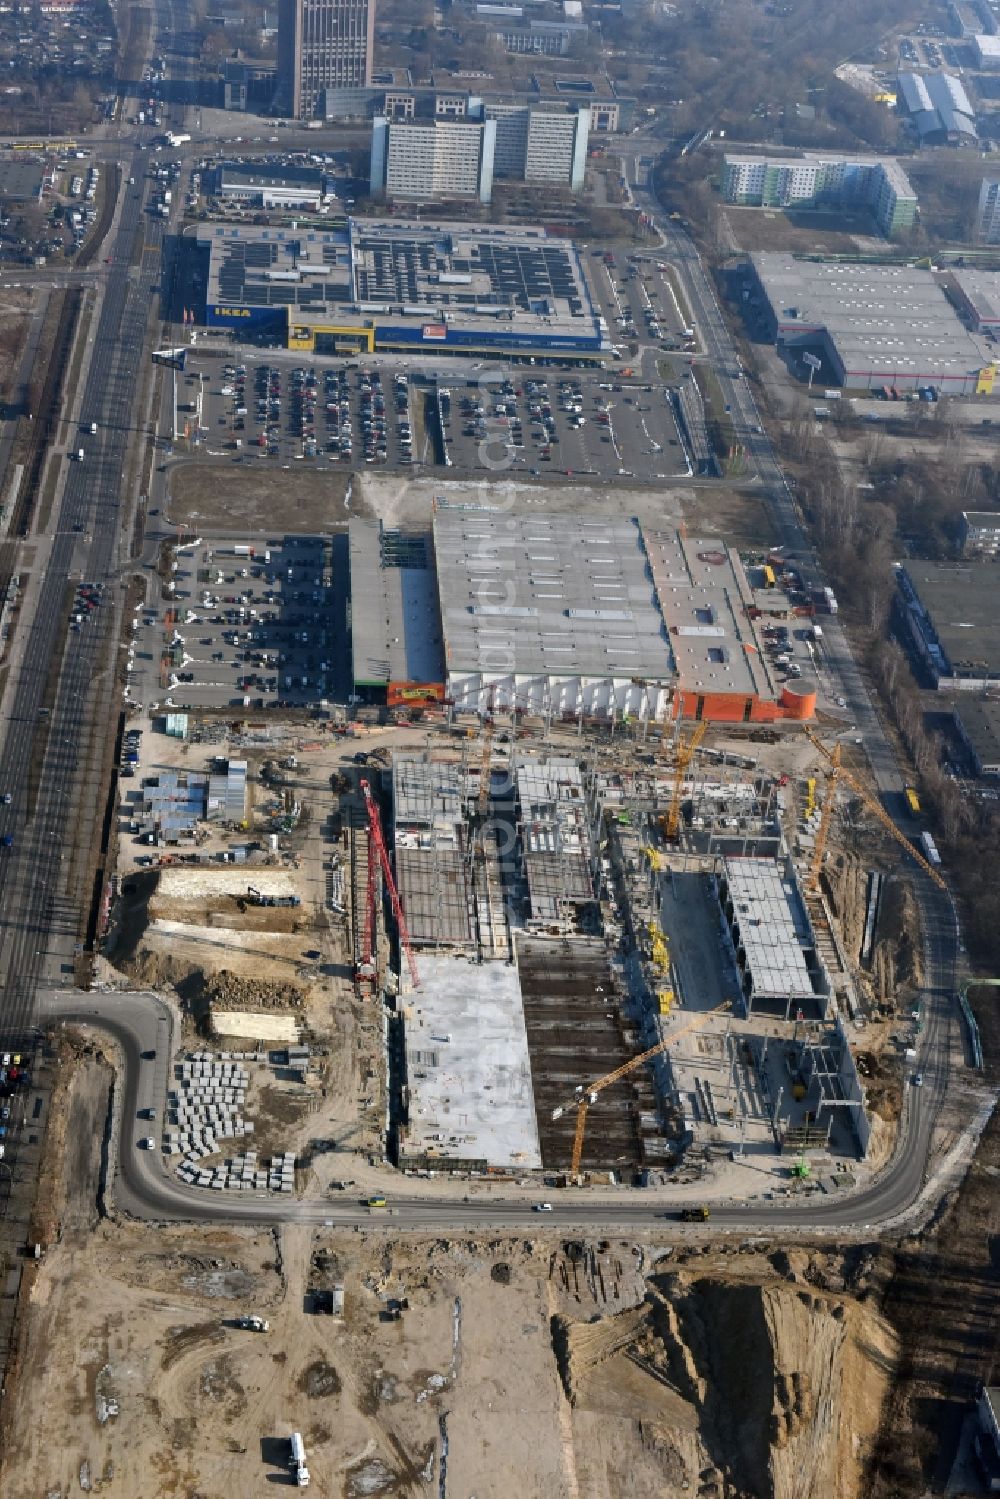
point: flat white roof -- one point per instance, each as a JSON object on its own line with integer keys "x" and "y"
{"x": 467, "y": 1065}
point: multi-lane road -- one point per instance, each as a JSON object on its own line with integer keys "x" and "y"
{"x": 62, "y": 695}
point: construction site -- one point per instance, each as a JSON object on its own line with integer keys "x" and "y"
{"x": 422, "y": 955}
{"x": 621, "y": 962}
{"x": 654, "y": 958}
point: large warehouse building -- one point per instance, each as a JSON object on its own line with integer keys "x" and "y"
{"x": 567, "y": 617}
{"x": 877, "y": 327}
{"x": 464, "y": 288}
{"x": 555, "y": 616}
{"x": 396, "y": 650}
{"x": 951, "y": 612}
{"x": 977, "y": 296}
{"x": 938, "y": 107}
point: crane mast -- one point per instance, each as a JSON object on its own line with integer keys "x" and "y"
{"x": 588, "y": 1094}
{"x": 878, "y": 811}
{"x": 683, "y": 755}
{"x": 376, "y": 843}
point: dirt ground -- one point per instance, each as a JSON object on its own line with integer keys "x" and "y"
{"x": 740, "y": 517}
{"x": 248, "y": 499}
{"x": 256, "y": 498}
{"x": 562, "y": 1371}
{"x": 15, "y": 311}
{"x": 803, "y": 233}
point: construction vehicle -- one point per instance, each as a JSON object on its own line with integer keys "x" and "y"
{"x": 253, "y": 1324}
{"x": 875, "y": 808}
{"x": 376, "y": 845}
{"x": 256, "y": 898}
{"x": 588, "y": 1095}
{"x": 695, "y": 1215}
{"x": 683, "y": 755}
{"x": 298, "y": 1460}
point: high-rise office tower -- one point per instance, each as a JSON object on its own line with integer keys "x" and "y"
{"x": 988, "y": 216}
{"x": 322, "y": 44}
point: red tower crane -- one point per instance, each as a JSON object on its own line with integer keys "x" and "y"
{"x": 376, "y": 844}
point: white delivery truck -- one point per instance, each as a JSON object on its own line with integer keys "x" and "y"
{"x": 298, "y": 1461}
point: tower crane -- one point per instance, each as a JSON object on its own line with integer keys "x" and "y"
{"x": 877, "y": 811}
{"x": 486, "y": 761}
{"x": 825, "y": 818}
{"x": 376, "y": 845}
{"x": 683, "y": 755}
{"x": 588, "y": 1095}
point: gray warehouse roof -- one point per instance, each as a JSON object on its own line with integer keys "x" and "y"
{"x": 936, "y": 102}
{"x": 772, "y": 935}
{"x": 395, "y": 626}
{"x": 547, "y": 596}
{"x": 980, "y": 723}
{"x": 21, "y": 181}
{"x": 981, "y": 290}
{"x": 890, "y": 319}
{"x": 705, "y": 597}
{"x": 961, "y": 602}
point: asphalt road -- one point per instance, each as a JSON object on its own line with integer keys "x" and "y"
{"x": 141, "y": 1025}
{"x": 61, "y": 694}
{"x": 41, "y": 756}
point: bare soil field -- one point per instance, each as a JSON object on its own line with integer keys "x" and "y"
{"x": 15, "y": 310}
{"x": 248, "y": 499}
{"x": 252, "y": 498}
{"x": 547, "y": 1369}
{"x": 739, "y": 516}
{"x": 802, "y": 233}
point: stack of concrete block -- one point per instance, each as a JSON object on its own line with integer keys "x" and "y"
{"x": 282, "y": 1174}
{"x": 206, "y": 1108}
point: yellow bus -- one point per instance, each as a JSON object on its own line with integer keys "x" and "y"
{"x": 912, "y": 799}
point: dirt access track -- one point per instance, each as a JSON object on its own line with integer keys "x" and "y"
{"x": 539, "y": 1367}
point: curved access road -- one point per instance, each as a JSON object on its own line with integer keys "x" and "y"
{"x": 143, "y": 1187}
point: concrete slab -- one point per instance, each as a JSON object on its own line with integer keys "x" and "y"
{"x": 467, "y": 1066}
{"x": 258, "y": 1027}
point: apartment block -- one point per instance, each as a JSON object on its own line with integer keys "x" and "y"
{"x": 439, "y": 158}
{"x": 823, "y": 182}
{"x": 540, "y": 143}
{"x": 979, "y": 533}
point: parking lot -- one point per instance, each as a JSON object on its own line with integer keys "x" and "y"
{"x": 299, "y": 412}
{"x": 564, "y": 424}
{"x": 638, "y": 300}
{"x": 349, "y": 416}
{"x": 251, "y": 625}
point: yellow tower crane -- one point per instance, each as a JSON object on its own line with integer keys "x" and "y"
{"x": 683, "y": 755}
{"x": 588, "y": 1095}
{"x": 878, "y": 812}
{"x": 486, "y": 759}
{"x": 825, "y": 818}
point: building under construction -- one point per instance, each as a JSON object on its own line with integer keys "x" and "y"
{"x": 567, "y": 915}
